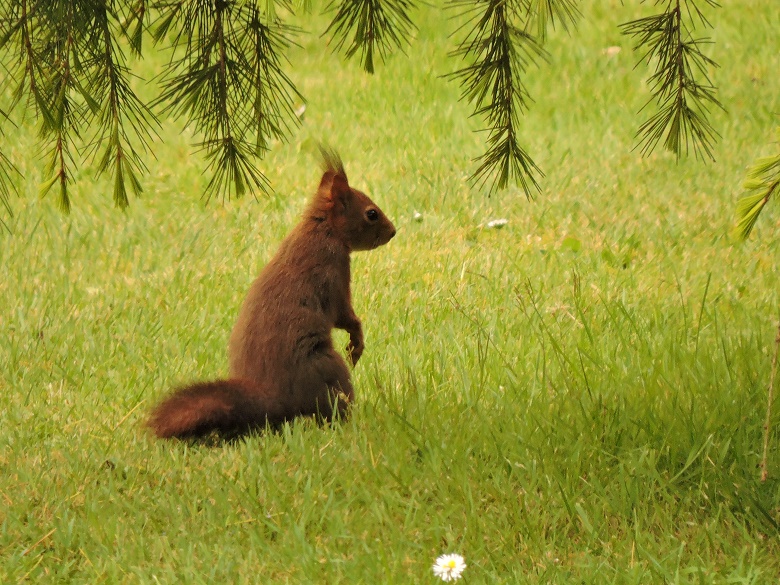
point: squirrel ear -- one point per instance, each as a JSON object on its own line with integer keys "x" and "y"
{"x": 335, "y": 189}
{"x": 339, "y": 189}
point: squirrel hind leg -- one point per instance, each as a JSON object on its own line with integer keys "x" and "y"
{"x": 229, "y": 407}
{"x": 324, "y": 388}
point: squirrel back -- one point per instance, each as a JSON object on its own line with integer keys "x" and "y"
{"x": 282, "y": 360}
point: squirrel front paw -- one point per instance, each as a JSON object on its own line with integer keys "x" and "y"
{"x": 355, "y": 350}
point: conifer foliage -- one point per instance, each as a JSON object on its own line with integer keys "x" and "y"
{"x": 65, "y": 63}
{"x": 761, "y": 184}
{"x": 228, "y": 78}
{"x": 680, "y": 84}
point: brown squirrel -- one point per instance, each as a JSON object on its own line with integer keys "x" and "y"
{"x": 282, "y": 360}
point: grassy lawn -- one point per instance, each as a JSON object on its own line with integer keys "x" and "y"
{"x": 578, "y": 397}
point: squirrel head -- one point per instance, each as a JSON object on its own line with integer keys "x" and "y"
{"x": 353, "y": 217}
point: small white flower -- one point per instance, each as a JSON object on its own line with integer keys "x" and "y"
{"x": 449, "y": 567}
{"x": 497, "y": 223}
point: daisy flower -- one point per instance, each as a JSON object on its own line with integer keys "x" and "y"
{"x": 449, "y": 567}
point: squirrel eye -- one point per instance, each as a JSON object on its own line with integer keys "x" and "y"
{"x": 372, "y": 215}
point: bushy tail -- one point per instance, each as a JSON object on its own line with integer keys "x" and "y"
{"x": 226, "y": 406}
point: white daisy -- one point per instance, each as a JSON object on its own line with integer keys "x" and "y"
{"x": 449, "y": 567}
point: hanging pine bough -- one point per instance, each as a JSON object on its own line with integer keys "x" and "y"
{"x": 67, "y": 66}
{"x": 66, "y": 63}
{"x": 229, "y": 83}
{"x": 681, "y": 87}
{"x": 226, "y": 77}
{"x": 6, "y": 184}
{"x": 499, "y": 50}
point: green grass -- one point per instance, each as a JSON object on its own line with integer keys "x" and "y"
{"x": 578, "y": 397}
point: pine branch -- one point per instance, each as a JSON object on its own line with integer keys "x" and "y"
{"x": 115, "y": 107}
{"x": 762, "y": 183}
{"x": 499, "y": 51}
{"x": 41, "y": 67}
{"x": 272, "y": 94}
{"x": 229, "y": 83}
{"x": 379, "y": 25}
{"x": 680, "y": 86}
{"x": 26, "y": 65}
{"x": 7, "y": 185}
{"x": 69, "y": 67}
{"x": 7, "y": 168}
{"x": 55, "y": 21}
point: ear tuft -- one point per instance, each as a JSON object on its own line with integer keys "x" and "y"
{"x": 331, "y": 162}
{"x": 334, "y": 184}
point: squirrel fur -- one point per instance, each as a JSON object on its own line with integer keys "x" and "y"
{"x": 282, "y": 360}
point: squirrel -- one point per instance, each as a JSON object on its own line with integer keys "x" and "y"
{"x": 282, "y": 360}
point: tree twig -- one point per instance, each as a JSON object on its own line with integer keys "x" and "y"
{"x": 770, "y": 399}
